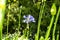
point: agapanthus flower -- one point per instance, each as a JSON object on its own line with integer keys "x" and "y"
{"x": 28, "y": 19}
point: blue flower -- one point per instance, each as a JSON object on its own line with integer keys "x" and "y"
{"x": 28, "y": 19}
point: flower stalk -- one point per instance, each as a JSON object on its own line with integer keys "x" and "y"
{"x": 53, "y": 13}
{"x": 49, "y": 28}
{"x": 27, "y": 30}
{"x": 27, "y": 20}
{"x": 39, "y": 20}
{"x": 57, "y": 16}
{"x": 57, "y": 38}
{"x": 18, "y": 23}
{"x": 2, "y": 13}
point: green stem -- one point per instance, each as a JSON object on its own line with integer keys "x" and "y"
{"x": 2, "y": 13}
{"x": 38, "y": 29}
{"x": 55, "y": 24}
{"x": 18, "y": 24}
{"x": 7, "y": 25}
{"x": 1, "y": 30}
{"x": 19, "y": 20}
{"x": 19, "y": 16}
{"x": 27, "y": 30}
{"x": 39, "y": 20}
{"x": 57, "y": 38}
{"x": 49, "y": 28}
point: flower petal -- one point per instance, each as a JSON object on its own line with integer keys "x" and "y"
{"x": 28, "y": 19}
{"x": 24, "y": 16}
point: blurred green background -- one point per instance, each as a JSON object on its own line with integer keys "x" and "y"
{"x": 28, "y": 7}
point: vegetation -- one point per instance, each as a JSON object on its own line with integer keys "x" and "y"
{"x": 29, "y": 19}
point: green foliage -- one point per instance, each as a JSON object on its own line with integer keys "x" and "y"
{"x": 40, "y": 10}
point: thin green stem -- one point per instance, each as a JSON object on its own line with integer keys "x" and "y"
{"x": 49, "y": 28}
{"x": 55, "y": 24}
{"x": 19, "y": 16}
{"x": 39, "y": 20}
{"x": 7, "y": 25}
{"x": 19, "y": 20}
{"x": 27, "y": 30}
{"x": 38, "y": 29}
{"x": 57, "y": 38}
{"x": 18, "y": 24}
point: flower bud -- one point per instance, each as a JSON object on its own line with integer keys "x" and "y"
{"x": 53, "y": 9}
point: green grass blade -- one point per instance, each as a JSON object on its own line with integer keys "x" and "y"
{"x": 49, "y": 28}
{"x": 57, "y": 38}
{"x": 2, "y": 13}
{"x": 39, "y": 21}
{"x": 53, "y": 36}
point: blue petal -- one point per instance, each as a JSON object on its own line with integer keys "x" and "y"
{"x": 29, "y": 16}
{"x": 31, "y": 19}
{"x": 24, "y": 16}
